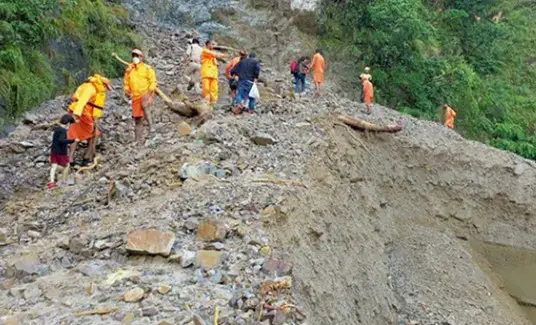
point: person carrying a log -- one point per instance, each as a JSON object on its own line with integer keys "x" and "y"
{"x": 318, "y": 66}
{"x": 368, "y": 94}
{"x": 209, "y": 72}
{"x": 362, "y": 77}
{"x": 59, "y": 151}
{"x": 86, "y": 108}
{"x": 450, "y": 116}
{"x": 193, "y": 58}
{"x": 233, "y": 84}
{"x": 140, "y": 85}
{"x": 247, "y": 73}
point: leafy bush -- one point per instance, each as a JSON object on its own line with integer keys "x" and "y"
{"x": 474, "y": 55}
{"x": 28, "y": 72}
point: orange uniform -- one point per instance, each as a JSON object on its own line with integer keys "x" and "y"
{"x": 230, "y": 66}
{"x": 318, "y": 66}
{"x": 139, "y": 80}
{"x": 450, "y": 115}
{"x": 209, "y": 75}
{"x": 87, "y": 105}
{"x": 368, "y": 91}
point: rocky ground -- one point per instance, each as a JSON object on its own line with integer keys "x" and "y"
{"x": 282, "y": 217}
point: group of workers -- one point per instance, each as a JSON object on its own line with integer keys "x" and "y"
{"x": 301, "y": 68}
{"x": 242, "y": 72}
{"x": 81, "y": 123}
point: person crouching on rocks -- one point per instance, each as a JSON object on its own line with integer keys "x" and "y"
{"x": 140, "y": 84}
{"x": 59, "y": 153}
{"x": 86, "y": 109}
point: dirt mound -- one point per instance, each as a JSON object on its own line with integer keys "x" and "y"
{"x": 382, "y": 235}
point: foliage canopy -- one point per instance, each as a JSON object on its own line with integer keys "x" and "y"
{"x": 474, "y": 55}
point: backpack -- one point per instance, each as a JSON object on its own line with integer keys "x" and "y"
{"x": 293, "y": 66}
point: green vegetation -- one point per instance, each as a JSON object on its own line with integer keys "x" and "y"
{"x": 475, "y": 55}
{"x": 45, "y": 45}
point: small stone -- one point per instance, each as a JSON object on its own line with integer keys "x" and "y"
{"x": 28, "y": 265}
{"x": 215, "y": 246}
{"x": 128, "y": 319}
{"x": 208, "y": 259}
{"x": 77, "y": 245}
{"x": 242, "y": 231}
{"x": 134, "y": 295}
{"x": 100, "y": 244}
{"x": 211, "y": 230}
{"x": 263, "y": 139}
{"x": 27, "y": 144}
{"x": 163, "y": 289}
{"x": 149, "y": 311}
{"x": 302, "y": 124}
{"x": 276, "y": 267}
{"x": 150, "y": 241}
{"x": 216, "y": 278}
{"x": 198, "y": 320}
{"x": 34, "y": 234}
{"x": 32, "y": 293}
{"x": 184, "y": 128}
{"x": 176, "y": 258}
{"x": 265, "y": 251}
{"x": 191, "y": 224}
{"x": 187, "y": 258}
{"x": 165, "y": 322}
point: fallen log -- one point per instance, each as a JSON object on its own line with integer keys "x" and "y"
{"x": 182, "y": 107}
{"x": 367, "y": 126}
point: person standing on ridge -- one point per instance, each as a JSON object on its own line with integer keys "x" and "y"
{"x": 59, "y": 152}
{"x": 247, "y": 71}
{"x": 233, "y": 84}
{"x": 368, "y": 94}
{"x": 140, "y": 84}
{"x": 300, "y": 73}
{"x": 318, "y": 65}
{"x": 450, "y": 116}
{"x": 362, "y": 77}
{"x": 209, "y": 72}
{"x": 86, "y": 108}
{"x": 193, "y": 57}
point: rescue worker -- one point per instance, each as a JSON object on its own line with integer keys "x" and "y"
{"x": 318, "y": 65}
{"x": 140, "y": 84}
{"x": 209, "y": 72}
{"x": 450, "y": 116}
{"x": 364, "y": 76}
{"x": 193, "y": 57}
{"x": 368, "y": 94}
{"x": 233, "y": 84}
{"x": 247, "y": 72}
{"x": 86, "y": 107}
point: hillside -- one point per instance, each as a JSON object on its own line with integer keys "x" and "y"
{"x": 476, "y": 56}
{"x": 418, "y": 227}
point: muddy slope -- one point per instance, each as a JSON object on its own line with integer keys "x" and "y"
{"x": 380, "y": 236}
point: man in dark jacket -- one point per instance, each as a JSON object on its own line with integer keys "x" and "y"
{"x": 247, "y": 72}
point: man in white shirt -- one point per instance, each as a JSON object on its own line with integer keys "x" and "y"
{"x": 193, "y": 57}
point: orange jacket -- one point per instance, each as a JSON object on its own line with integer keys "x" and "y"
{"x": 450, "y": 115}
{"x": 230, "y": 66}
{"x": 368, "y": 91}
{"x": 318, "y": 65}
{"x": 139, "y": 80}
{"x": 89, "y": 98}
{"x": 209, "y": 66}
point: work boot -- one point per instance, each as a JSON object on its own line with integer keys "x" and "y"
{"x": 51, "y": 185}
{"x": 250, "y": 111}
